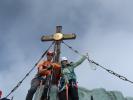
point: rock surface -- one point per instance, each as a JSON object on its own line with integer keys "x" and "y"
{"x": 84, "y": 94}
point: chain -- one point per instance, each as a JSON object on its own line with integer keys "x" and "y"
{"x": 20, "y": 82}
{"x": 91, "y": 61}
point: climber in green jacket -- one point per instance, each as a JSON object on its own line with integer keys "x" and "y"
{"x": 67, "y": 86}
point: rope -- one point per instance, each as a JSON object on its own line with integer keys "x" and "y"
{"x": 20, "y": 82}
{"x": 108, "y": 70}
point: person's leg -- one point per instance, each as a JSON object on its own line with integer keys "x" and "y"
{"x": 46, "y": 88}
{"x": 4, "y": 99}
{"x": 34, "y": 84}
{"x": 73, "y": 91}
{"x": 62, "y": 95}
{"x": 44, "y": 94}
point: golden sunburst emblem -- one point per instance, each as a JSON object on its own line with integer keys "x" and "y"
{"x": 58, "y": 36}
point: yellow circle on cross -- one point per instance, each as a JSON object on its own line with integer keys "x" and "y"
{"x": 58, "y": 36}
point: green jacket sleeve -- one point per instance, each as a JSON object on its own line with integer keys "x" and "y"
{"x": 78, "y": 62}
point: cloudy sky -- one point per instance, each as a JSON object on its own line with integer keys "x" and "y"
{"x": 103, "y": 28}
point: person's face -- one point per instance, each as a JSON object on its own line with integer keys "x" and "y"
{"x": 64, "y": 62}
{"x": 49, "y": 57}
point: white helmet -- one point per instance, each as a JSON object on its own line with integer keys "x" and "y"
{"x": 63, "y": 58}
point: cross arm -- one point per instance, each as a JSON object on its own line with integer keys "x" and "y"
{"x": 58, "y": 36}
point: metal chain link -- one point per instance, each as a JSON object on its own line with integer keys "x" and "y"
{"x": 20, "y": 82}
{"x": 108, "y": 70}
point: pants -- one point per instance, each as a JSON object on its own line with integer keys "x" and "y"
{"x": 72, "y": 92}
{"x": 4, "y": 99}
{"x": 34, "y": 85}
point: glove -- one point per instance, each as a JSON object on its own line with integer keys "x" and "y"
{"x": 49, "y": 68}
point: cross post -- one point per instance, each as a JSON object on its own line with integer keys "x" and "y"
{"x": 57, "y": 38}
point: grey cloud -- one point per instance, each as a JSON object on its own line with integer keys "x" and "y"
{"x": 22, "y": 23}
